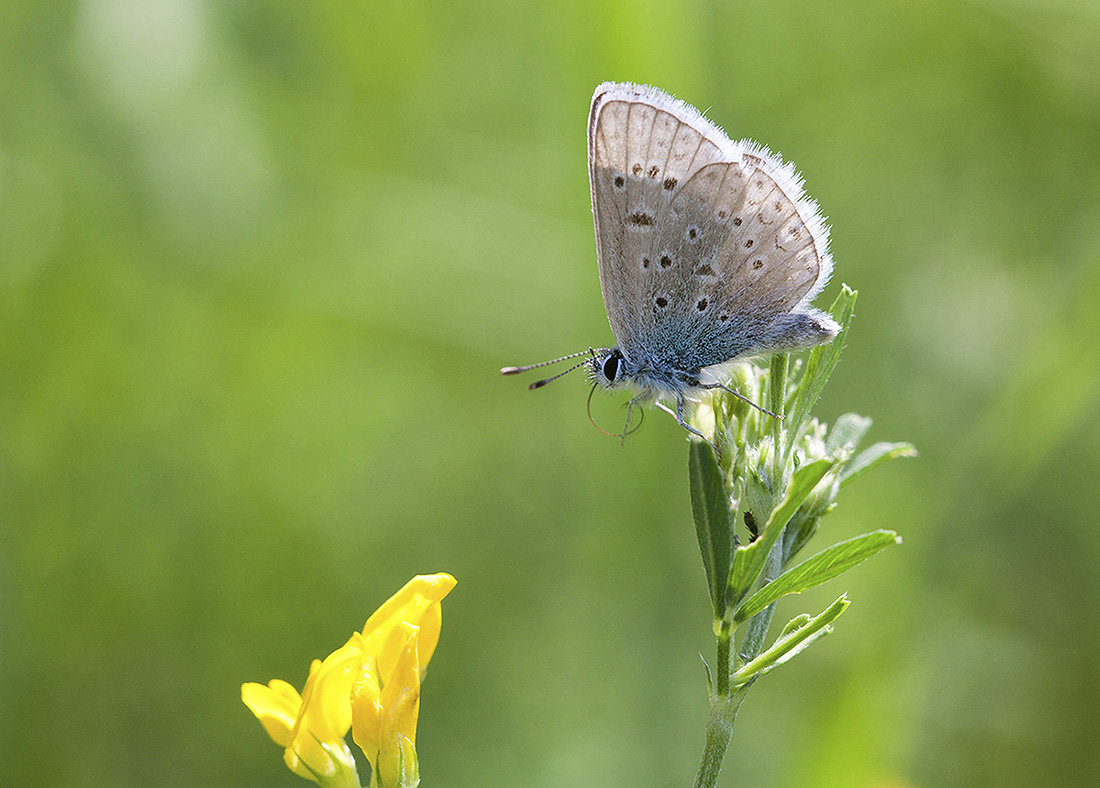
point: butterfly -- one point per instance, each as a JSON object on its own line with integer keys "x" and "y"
{"x": 709, "y": 251}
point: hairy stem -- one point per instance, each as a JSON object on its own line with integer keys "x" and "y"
{"x": 723, "y": 712}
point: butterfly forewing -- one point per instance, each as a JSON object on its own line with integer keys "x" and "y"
{"x": 638, "y": 153}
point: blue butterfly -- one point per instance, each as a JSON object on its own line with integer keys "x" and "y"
{"x": 709, "y": 251}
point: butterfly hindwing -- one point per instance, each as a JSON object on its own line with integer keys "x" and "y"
{"x": 744, "y": 257}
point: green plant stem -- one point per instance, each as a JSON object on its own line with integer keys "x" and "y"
{"x": 777, "y": 385}
{"x": 725, "y": 641}
{"x": 723, "y": 704}
{"x": 723, "y": 711}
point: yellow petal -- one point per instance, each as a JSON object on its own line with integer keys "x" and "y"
{"x": 417, "y": 603}
{"x": 430, "y": 624}
{"x": 279, "y": 708}
{"x": 316, "y": 745}
{"x": 366, "y": 712}
{"x": 276, "y": 706}
{"x": 385, "y": 716}
{"x": 401, "y": 695}
{"x": 326, "y": 699}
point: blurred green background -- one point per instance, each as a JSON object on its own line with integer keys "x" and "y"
{"x": 260, "y": 263}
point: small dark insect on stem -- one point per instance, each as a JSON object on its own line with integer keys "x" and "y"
{"x": 750, "y": 523}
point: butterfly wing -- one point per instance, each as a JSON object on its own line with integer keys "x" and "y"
{"x": 708, "y": 250}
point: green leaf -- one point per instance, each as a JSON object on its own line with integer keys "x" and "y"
{"x": 875, "y": 455}
{"x": 706, "y": 669}
{"x": 847, "y": 432}
{"x": 816, "y": 570}
{"x": 748, "y": 561}
{"x": 710, "y": 506}
{"x": 793, "y": 640}
{"x": 823, "y": 359}
{"x": 799, "y": 621}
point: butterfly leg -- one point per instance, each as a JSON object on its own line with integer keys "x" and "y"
{"x": 627, "y": 429}
{"x": 626, "y": 426}
{"x": 679, "y": 415}
{"x": 741, "y": 397}
{"x": 666, "y": 409}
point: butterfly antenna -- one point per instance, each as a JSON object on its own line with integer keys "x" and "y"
{"x": 517, "y": 370}
{"x": 540, "y": 383}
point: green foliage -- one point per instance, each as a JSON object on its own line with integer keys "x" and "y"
{"x": 816, "y": 570}
{"x": 710, "y": 507}
{"x": 875, "y": 455}
{"x": 799, "y": 633}
{"x": 749, "y": 560}
{"x": 820, "y": 362}
{"x": 787, "y": 473}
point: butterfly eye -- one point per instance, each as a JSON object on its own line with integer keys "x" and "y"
{"x": 611, "y": 366}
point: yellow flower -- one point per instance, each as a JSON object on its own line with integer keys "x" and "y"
{"x": 398, "y": 642}
{"x": 370, "y": 684}
{"x": 311, "y": 727}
